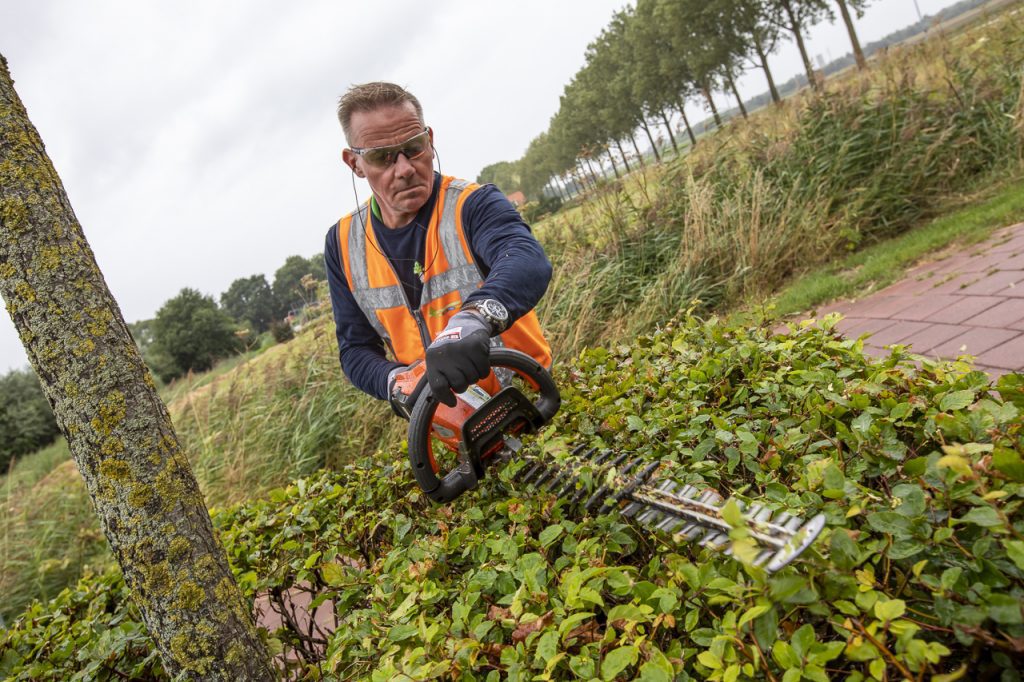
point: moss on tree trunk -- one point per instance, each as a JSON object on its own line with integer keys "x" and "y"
{"x": 118, "y": 429}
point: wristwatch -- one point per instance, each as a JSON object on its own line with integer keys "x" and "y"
{"x": 492, "y": 311}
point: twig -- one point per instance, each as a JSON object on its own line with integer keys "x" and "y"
{"x": 884, "y": 649}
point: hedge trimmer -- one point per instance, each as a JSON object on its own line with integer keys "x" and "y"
{"x": 483, "y": 431}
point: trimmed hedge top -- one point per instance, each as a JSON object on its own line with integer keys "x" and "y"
{"x": 920, "y": 571}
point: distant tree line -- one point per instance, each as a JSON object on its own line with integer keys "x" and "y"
{"x": 192, "y": 331}
{"x": 653, "y": 59}
{"x": 189, "y": 333}
{"x": 26, "y": 421}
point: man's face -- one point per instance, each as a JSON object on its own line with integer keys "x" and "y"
{"x": 403, "y": 187}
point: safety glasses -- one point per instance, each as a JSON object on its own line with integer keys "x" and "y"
{"x": 385, "y": 157}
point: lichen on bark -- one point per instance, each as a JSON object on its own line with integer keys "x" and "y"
{"x": 118, "y": 430}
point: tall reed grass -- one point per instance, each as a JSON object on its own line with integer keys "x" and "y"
{"x": 792, "y": 187}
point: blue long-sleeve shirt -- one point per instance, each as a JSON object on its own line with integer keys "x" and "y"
{"x": 516, "y": 272}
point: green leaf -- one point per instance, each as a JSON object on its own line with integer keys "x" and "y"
{"x": 333, "y": 573}
{"x": 784, "y": 655}
{"x": 634, "y": 423}
{"x": 732, "y": 515}
{"x": 402, "y": 632}
{"x": 957, "y": 400}
{"x": 1005, "y": 609}
{"x": 949, "y": 577}
{"x": 1015, "y": 550}
{"x": 547, "y": 645}
{"x": 753, "y": 613}
{"x": 803, "y": 639}
{"x": 890, "y": 610}
{"x": 550, "y": 534}
{"x": 618, "y": 660}
{"x": 657, "y": 668}
{"x": 709, "y": 660}
{"x": 985, "y": 517}
{"x": 1008, "y": 462}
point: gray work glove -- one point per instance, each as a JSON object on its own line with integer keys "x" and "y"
{"x": 459, "y": 356}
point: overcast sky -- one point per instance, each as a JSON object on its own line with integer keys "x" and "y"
{"x": 198, "y": 141}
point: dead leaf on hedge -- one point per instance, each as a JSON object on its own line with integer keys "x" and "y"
{"x": 498, "y": 613}
{"x": 523, "y": 630}
{"x": 586, "y": 633}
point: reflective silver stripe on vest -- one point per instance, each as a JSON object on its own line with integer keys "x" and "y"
{"x": 462, "y": 274}
{"x": 369, "y": 299}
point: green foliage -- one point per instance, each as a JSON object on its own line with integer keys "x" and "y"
{"x": 88, "y": 632}
{"x": 26, "y": 420}
{"x": 192, "y": 333}
{"x": 920, "y": 571}
{"x": 251, "y": 300}
{"x": 291, "y": 279}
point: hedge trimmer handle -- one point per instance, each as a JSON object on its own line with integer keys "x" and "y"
{"x": 477, "y": 427}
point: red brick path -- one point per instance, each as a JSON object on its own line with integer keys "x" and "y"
{"x": 969, "y": 303}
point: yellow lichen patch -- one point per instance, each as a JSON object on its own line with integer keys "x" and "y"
{"x": 190, "y": 596}
{"x": 115, "y": 469}
{"x": 206, "y": 565}
{"x": 111, "y": 413}
{"x": 140, "y": 495}
{"x": 24, "y": 292}
{"x": 180, "y": 548}
{"x": 53, "y": 309}
{"x": 236, "y": 654}
{"x": 83, "y": 347}
{"x": 112, "y": 446}
{"x": 187, "y": 653}
{"x": 7, "y": 271}
{"x": 168, "y": 487}
{"x": 101, "y": 319}
{"x": 71, "y": 390}
{"x": 156, "y": 577}
{"x": 48, "y": 258}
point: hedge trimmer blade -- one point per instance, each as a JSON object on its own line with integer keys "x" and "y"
{"x": 684, "y": 512}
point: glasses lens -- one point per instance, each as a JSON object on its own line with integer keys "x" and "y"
{"x": 413, "y": 148}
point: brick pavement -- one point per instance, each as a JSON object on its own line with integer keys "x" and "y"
{"x": 968, "y": 303}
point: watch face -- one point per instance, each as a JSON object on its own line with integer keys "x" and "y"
{"x": 495, "y": 310}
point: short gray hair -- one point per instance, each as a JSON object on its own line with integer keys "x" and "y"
{"x": 370, "y": 97}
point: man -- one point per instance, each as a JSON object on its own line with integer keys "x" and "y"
{"x": 430, "y": 267}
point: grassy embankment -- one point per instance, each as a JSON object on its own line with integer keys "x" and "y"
{"x": 819, "y": 180}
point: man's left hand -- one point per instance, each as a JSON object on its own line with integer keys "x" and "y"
{"x": 459, "y": 356}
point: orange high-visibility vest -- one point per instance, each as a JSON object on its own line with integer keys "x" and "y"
{"x": 451, "y": 275}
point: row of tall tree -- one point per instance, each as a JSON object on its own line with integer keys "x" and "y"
{"x": 642, "y": 70}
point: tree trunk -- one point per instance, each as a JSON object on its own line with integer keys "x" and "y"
{"x": 686, "y": 122}
{"x": 639, "y": 156}
{"x": 625, "y": 161}
{"x": 794, "y": 28}
{"x": 764, "y": 66}
{"x": 736, "y": 93}
{"x": 668, "y": 127}
{"x": 615, "y": 166}
{"x": 706, "y": 91}
{"x": 585, "y": 179}
{"x": 117, "y": 428}
{"x": 858, "y": 54}
{"x": 593, "y": 174}
{"x": 650, "y": 138}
